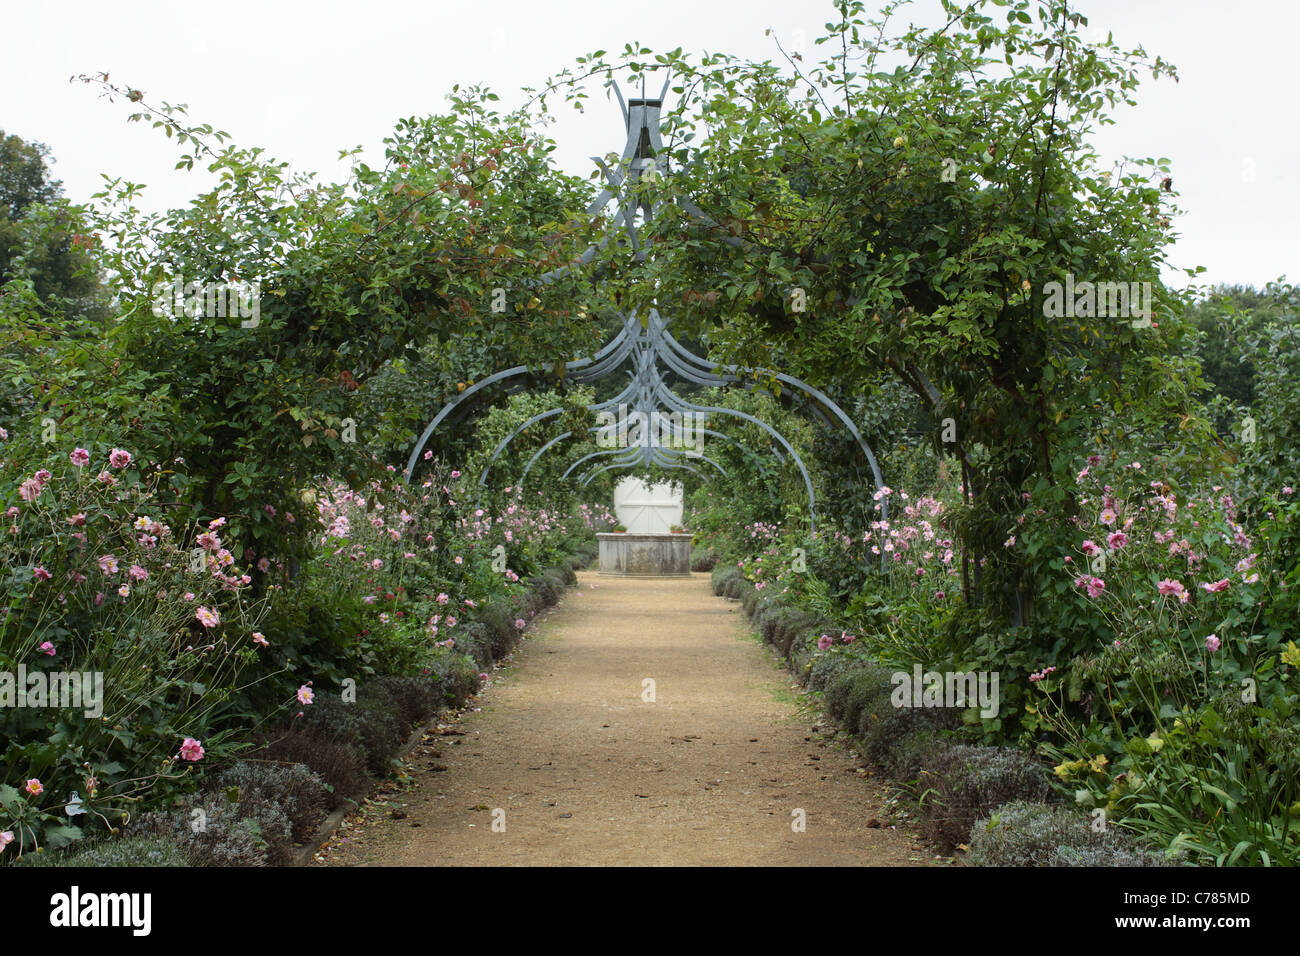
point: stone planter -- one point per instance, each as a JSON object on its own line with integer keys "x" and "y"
{"x": 645, "y": 555}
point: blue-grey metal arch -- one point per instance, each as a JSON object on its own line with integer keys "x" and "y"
{"x": 647, "y": 346}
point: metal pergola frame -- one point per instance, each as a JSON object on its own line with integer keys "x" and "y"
{"x": 648, "y": 346}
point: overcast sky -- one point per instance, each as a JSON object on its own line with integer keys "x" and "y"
{"x": 305, "y": 80}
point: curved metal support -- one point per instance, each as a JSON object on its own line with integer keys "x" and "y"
{"x": 652, "y": 455}
{"x": 649, "y": 347}
{"x": 482, "y": 480}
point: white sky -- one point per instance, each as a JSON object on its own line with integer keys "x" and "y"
{"x": 305, "y": 80}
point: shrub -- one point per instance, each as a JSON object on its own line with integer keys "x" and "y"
{"x": 704, "y": 560}
{"x": 962, "y": 783}
{"x": 295, "y": 788}
{"x": 502, "y": 632}
{"x": 475, "y": 639}
{"x": 825, "y": 668}
{"x": 542, "y": 591}
{"x": 115, "y": 851}
{"x": 856, "y": 688}
{"x": 370, "y": 725}
{"x": 454, "y": 676}
{"x": 1025, "y": 833}
{"x": 131, "y": 851}
{"x": 221, "y": 836}
{"x": 791, "y": 624}
{"x": 722, "y": 576}
{"x": 341, "y": 765}
{"x": 897, "y": 739}
{"x": 416, "y": 698}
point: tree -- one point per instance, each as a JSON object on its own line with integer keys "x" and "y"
{"x": 922, "y": 189}
{"x": 42, "y": 237}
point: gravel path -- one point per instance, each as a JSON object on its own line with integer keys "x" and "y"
{"x": 580, "y": 769}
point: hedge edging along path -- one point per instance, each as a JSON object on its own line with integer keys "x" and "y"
{"x": 304, "y": 854}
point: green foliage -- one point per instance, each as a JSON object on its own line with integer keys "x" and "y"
{"x": 1025, "y": 833}
{"x": 962, "y": 783}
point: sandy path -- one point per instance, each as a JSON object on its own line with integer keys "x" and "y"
{"x": 587, "y": 772}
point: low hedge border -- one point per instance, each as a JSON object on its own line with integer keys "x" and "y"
{"x": 998, "y": 801}
{"x": 286, "y": 798}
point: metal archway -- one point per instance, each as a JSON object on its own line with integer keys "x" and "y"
{"x": 649, "y": 347}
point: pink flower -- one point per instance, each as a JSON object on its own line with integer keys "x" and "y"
{"x": 1108, "y": 516}
{"x": 207, "y": 617}
{"x": 30, "y": 490}
{"x": 1217, "y": 586}
{"x": 519, "y": 623}
{"x": 79, "y": 457}
{"x": 137, "y": 573}
{"x": 1116, "y": 540}
{"x": 191, "y": 750}
{"x": 188, "y": 596}
{"x": 260, "y": 638}
{"x": 442, "y": 599}
{"x": 1095, "y": 587}
{"x": 40, "y": 574}
{"x": 848, "y": 638}
{"x": 48, "y": 648}
{"x": 78, "y": 520}
{"x": 104, "y": 478}
{"x": 208, "y": 541}
{"x": 428, "y": 456}
{"x": 108, "y": 564}
{"x": 7, "y": 836}
{"x": 119, "y": 458}
{"x": 34, "y": 787}
{"x": 377, "y": 564}
{"x": 263, "y": 565}
{"x": 1090, "y": 548}
{"x": 455, "y": 474}
{"x": 124, "y": 591}
{"x": 1212, "y": 643}
{"x": 824, "y": 642}
{"x": 305, "y": 695}
{"x": 1169, "y": 586}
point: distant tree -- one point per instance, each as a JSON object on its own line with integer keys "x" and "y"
{"x": 1227, "y": 317}
{"x": 42, "y": 236}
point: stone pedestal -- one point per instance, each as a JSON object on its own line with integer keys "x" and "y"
{"x": 645, "y": 555}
